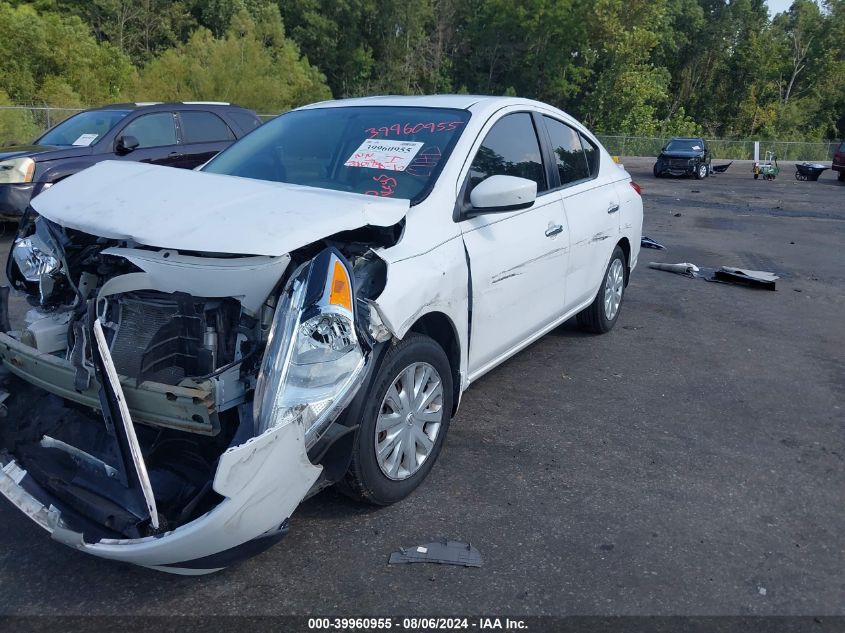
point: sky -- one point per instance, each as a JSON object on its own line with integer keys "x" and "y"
{"x": 778, "y": 6}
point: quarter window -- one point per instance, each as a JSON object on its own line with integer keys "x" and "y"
{"x": 510, "y": 149}
{"x": 204, "y": 127}
{"x": 152, "y": 130}
{"x": 569, "y": 154}
{"x": 592, "y": 153}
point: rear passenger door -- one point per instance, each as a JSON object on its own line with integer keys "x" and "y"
{"x": 204, "y": 134}
{"x": 157, "y": 140}
{"x": 592, "y": 209}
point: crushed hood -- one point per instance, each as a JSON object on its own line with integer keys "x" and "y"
{"x": 196, "y": 211}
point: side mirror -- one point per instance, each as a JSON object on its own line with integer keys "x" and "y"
{"x": 499, "y": 193}
{"x": 126, "y": 144}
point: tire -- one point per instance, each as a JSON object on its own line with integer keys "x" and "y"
{"x": 657, "y": 174}
{"x": 756, "y": 176}
{"x": 594, "y": 318}
{"x": 366, "y": 480}
{"x": 701, "y": 171}
{"x": 841, "y": 177}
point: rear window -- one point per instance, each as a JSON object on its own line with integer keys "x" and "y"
{"x": 204, "y": 127}
{"x": 842, "y": 148}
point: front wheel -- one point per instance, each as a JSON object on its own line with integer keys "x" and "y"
{"x": 601, "y": 315}
{"x": 701, "y": 172}
{"x": 404, "y": 424}
{"x": 657, "y": 174}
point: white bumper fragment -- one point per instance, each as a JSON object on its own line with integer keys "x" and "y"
{"x": 262, "y": 480}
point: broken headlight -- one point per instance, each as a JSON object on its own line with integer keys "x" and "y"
{"x": 313, "y": 357}
{"x": 34, "y": 258}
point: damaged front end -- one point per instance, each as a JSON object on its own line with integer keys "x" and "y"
{"x": 171, "y": 409}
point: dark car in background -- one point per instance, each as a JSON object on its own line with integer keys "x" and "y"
{"x": 839, "y": 162}
{"x": 683, "y": 157}
{"x": 172, "y": 134}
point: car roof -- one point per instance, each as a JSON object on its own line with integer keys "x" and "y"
{"x": 461, "y": 102}
{"x": 164, "y": 105}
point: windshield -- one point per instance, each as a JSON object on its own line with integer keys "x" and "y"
{"x": 83, "y": 129}
{"x": 684, "y": 145}
{"x": 380, "y": 151}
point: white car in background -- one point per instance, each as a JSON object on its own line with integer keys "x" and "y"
{"x": 208, "y": 348}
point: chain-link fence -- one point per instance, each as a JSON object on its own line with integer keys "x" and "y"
{"x": 22, "y": 124}
{"x": 620, "y": 145}
{"x": 19, "y": 125}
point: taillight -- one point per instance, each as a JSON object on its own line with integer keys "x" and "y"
{"x": 637, "y": 188}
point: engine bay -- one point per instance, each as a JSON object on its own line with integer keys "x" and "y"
{"x": 183, "y": 335}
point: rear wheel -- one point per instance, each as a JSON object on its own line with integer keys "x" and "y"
{"x": 601, "y": 315}
{"x": 404, "y": 424}
{"x": 842, "y": 176}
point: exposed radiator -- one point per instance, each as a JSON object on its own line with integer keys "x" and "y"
{"x": 138, "y": 323}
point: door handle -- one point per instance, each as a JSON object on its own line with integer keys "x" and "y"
{"x": 613, "y": 208}
{"x": 554, "y": 230}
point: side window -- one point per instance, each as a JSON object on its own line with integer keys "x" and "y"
{"x": 569, "y": 154}
{"x": 245, "y": 120}
{"x": 592, "y": 153}
{"x": 510, "y": 149}
{"x": 204, "y": 127}
{"x": 152, "y": 130}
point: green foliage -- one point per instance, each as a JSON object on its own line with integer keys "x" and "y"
{"x": 636, "y": 67}
{"x": 253, "y": 65}
{"x": 49, "y": 55}
{"x": 16, "y": 126}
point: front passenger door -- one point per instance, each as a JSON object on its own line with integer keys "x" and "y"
{"x": 517, "y": 259}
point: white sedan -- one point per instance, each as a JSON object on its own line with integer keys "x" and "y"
{"x": 208, "y": 348}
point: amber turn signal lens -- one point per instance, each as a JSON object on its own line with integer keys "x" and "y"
{"x": 341, "y": 289}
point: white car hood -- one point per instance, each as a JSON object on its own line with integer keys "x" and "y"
{"x": 195, "y": 211}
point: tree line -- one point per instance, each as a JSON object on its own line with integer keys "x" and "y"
{"x": 723, "y": 68}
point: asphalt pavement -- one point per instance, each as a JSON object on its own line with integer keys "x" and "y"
{"x": 691, "y": 462}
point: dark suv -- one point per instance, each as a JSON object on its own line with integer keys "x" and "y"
{"x": 684, "y": 156}
{"x": 173, "y": 134}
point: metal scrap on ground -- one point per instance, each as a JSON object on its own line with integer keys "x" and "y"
{"x": 721, "y": 169}
{"x": 725, "y": 274}
{"x": 443, "y": 552}
{"x": 755, "y": 278}
{"x": 647, "y": 242}
{"x": 684, "y": 268}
